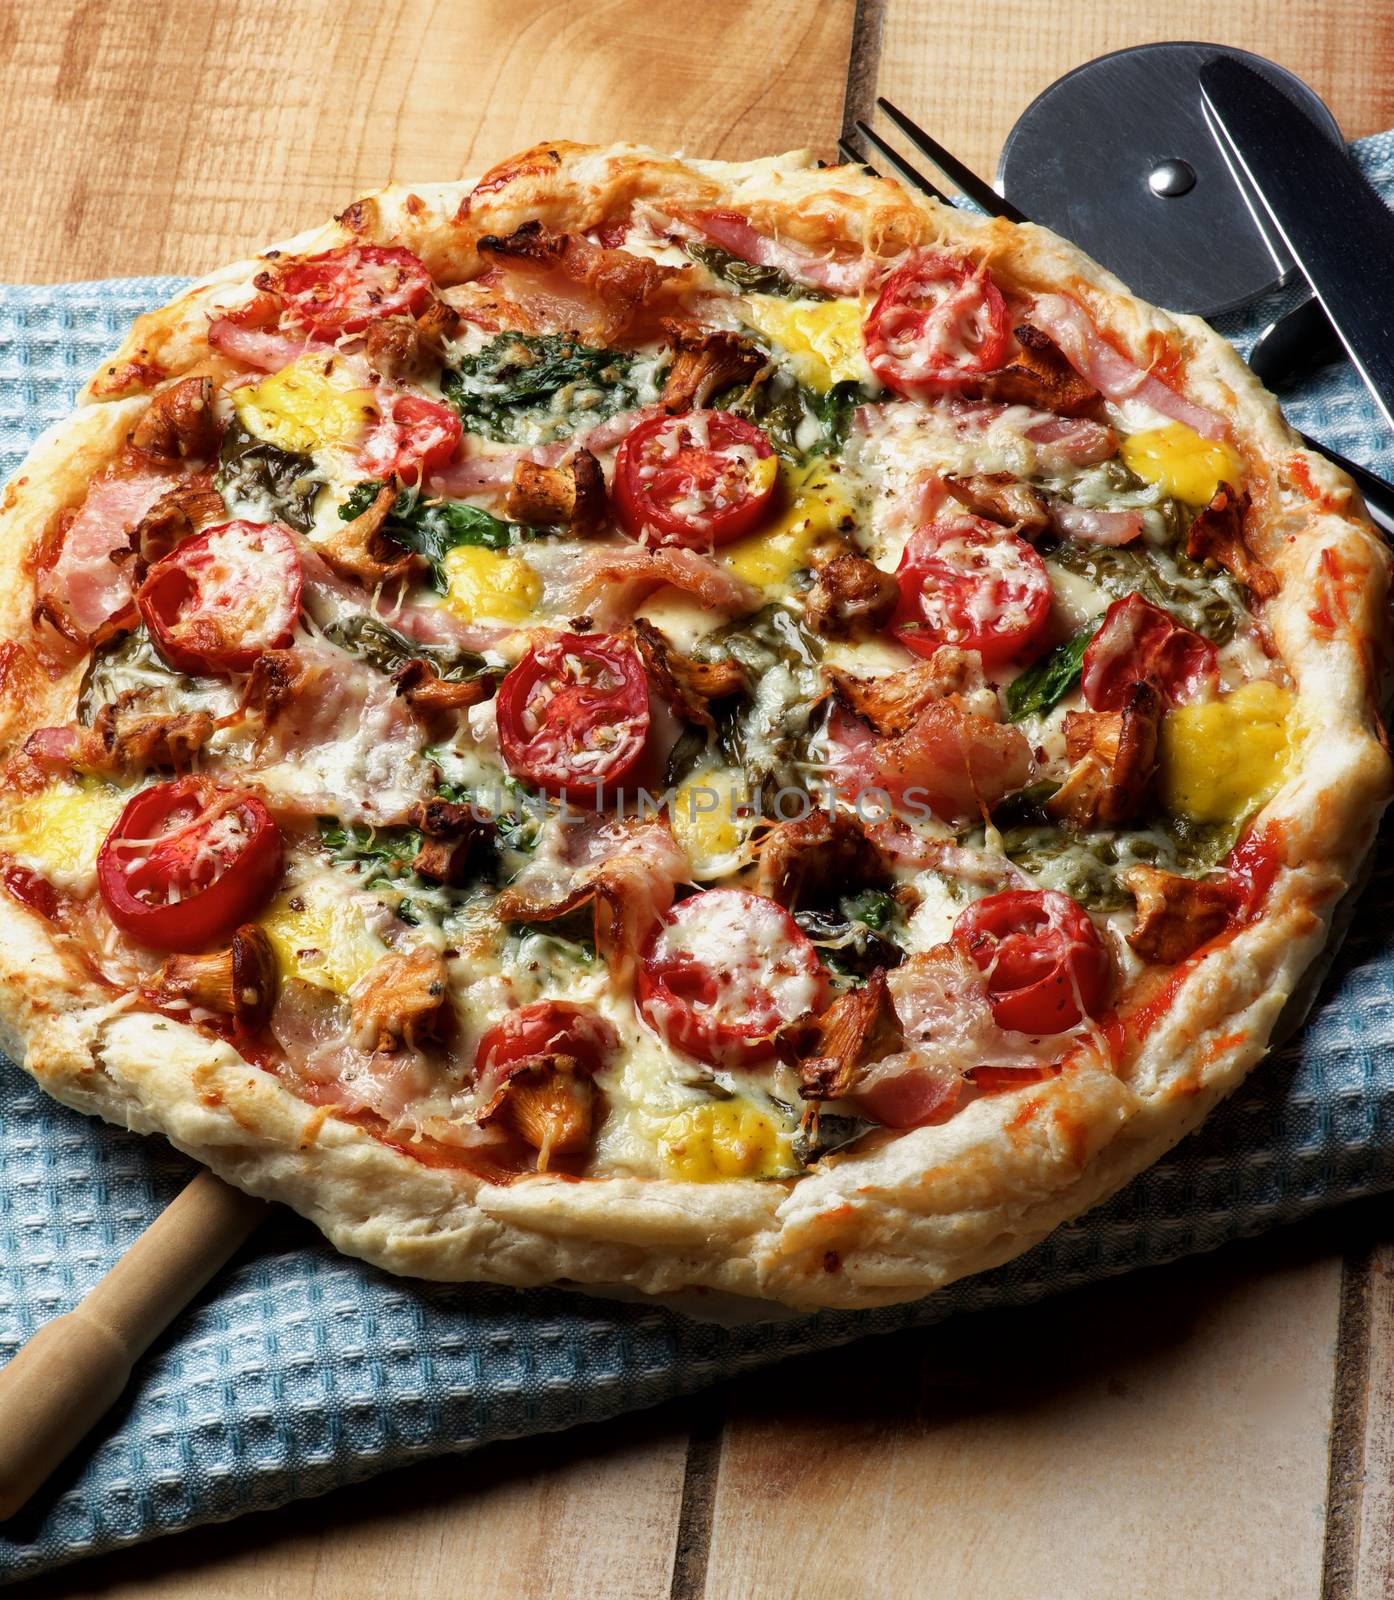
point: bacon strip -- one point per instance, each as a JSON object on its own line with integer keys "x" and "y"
{"x": 564, "y": 282}
{"x": 1095, "y": 527}
{"x": 1111, "y": 372}
{"x": 739, "y": 237}
{"x": 948, "y": 761}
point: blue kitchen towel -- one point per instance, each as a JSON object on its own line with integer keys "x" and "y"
{"x": 300, "y": 1370}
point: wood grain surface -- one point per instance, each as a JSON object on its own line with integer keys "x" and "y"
{"x": 1162, "y": 1437}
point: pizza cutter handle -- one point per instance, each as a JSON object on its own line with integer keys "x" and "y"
{"x": 59, "y": 1384}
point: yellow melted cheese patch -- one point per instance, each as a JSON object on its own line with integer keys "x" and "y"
{"x": 711, "y": 818}
{"x": 303, "y": 408}
{"x": 321, "y": 938}
{"x": 814, "y": 505}
{"x": 488, "y": 584}
{"x": 824, "y": 340}
{"x": 724, "y": 1139}
{"x": 59, "y": 830}
{"x": 1222, "y": 760}
{"x": 1181, "y": 463}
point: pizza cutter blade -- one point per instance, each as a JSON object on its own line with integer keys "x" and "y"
{"x": 1153, "y": 198}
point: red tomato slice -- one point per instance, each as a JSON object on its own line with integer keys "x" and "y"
{"x": 1045, "y": 963}
{"x": 186, "y": 862}
{"x": 724, "y": 971}
{"x": 693, "y": 480}
{"x": 1138, "y": 640}
{"x": 413, "y": 436}
{"x": 217, "y": 601}
{"x": 938, "y": 323}
{"x": 545, "y": 1028}
{"x": 969, "y": 583}
{"x": 573, "y": 715}
{"x": 344, "y": 290}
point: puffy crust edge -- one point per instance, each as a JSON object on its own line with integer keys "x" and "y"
{"x": 930, "y": 1206}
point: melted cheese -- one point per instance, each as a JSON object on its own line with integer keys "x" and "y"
{"x": 725, "y": 1139}
{"x": 1222, "y": 760}
{"x": 815, "y": 505}
{"x": 488, "y": 585}
{"x": 58, "y": 831}
{"x": 1181, "y": 463}
{"x": 305, "y": 407}
{"x": 320, "y": 935}
{"x": 712, "y": 817}
{"x": 823, "y": 338}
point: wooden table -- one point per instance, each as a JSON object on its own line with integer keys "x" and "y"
{"x": 1170, "y": 1435}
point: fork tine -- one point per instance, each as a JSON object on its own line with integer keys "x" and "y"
{"x": 916, "y": 177}
{"x": 967, "y": 180}
{"x": 846, "y": 148}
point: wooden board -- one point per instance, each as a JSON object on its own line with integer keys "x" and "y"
{"x": 1164, "y": 1435}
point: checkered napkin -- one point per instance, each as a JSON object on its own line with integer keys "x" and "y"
{"x": 300, "y": 1370}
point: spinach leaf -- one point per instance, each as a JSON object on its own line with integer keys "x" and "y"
{"x": 765, "y": 732}
{"x": 1087, "y": 867}
{"x": 822, "y": 1132}
{"x": 874, "y": 907}
{"x": 432, "y": 528}
{"x": 521, "y": 384}
{"x": 1046, "y": 682}
{"x": 516, "y": 827}
{"x": 281, "y": 485}
{"x": 799, "y": 422}
{"x": 747, "y": 276}
{"x": 847, "y": 945}
{"x": 1205, "y": 601}
{"x": 382, "y": 855}
{"x": 386, "y": 649}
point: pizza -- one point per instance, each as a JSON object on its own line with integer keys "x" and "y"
{"x": 666, "y": 725}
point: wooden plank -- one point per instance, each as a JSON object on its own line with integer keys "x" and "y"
{"x": 1359, "y": 1561}
{"x": 152, "y": 138}
{"x": 967, "y": 85}
{"x": 1162, "y": 1435}
{"x": 592, "y": 1512}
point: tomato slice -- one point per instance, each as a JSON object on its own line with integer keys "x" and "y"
{"x": 938, "y": 324}
{"x": 699, "y": 480}
{"x": 413, "y": 436}
{"x": 1045, "y": 963}
{"x": 187, "y": 861}
{"x": 545, "y": 1028}
{"x": 343, "y": 290}
{"x": 573, "y": 715}
{"x": 217, "y": 601}
{"x": 968, "y": 582}
{"x": 724, "y": 971}
{"x": 1138, "y": 640}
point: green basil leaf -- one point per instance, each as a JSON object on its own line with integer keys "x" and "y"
{"x": 1046, "y": 682}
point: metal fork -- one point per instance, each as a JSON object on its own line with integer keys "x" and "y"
{"x": 1378, "y": 492}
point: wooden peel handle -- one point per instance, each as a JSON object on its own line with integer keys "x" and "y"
{"x": 74, "y": 1368}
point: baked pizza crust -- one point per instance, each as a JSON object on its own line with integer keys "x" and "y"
{"x": 927, "y": 1207}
